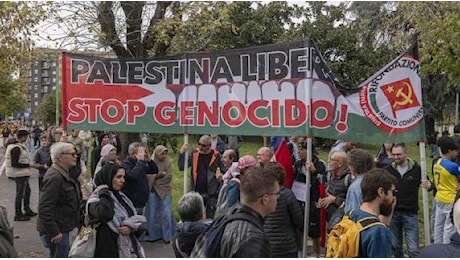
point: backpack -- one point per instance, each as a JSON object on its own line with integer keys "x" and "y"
{"x": 207, "y": 244}
{"x": 343, "y": 241}
{"x": 222, "y": 197}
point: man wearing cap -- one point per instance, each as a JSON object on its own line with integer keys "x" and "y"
{"x": 18, "y": 165}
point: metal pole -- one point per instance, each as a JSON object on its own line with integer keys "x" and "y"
{"x": 426, "y": 215}
{"x": 456, "y": 106}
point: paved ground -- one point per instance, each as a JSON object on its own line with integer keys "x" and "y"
{"x": 27, "y": 241}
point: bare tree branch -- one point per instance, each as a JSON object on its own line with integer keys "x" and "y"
{"x": 133, "y": 13}
{"x": 106, "y": 19}
{"x": 149, "y": 41}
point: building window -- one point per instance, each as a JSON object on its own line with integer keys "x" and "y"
{"x": 54, "y": 80}
{"x": 35, "y": 79}
{"x": 36, "y": 103}
{"x": 45, "y": 73}
{"x": 35, "y": 87}
{"x": 45, "y": 64}
{"x": 35, "y": 71}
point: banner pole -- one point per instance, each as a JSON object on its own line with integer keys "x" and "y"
{"x": 186, "y": 164}
{"x": 309, "y": 157}
{"x": 426, "y": 217}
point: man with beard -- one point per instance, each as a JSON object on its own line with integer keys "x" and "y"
{"x": 204, "y": 162}
{"x": 405, "y": 216}
{"x": 379, "y": 198}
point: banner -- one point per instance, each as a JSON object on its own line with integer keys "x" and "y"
{"x": 263, "y": 90}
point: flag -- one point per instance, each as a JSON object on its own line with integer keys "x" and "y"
{"x": 322, "y": 216}
{"x": 283, "y": 157}
{"x": 400, "y": 95}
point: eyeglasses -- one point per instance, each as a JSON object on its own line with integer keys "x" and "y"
{"x": 203, "y": 145}
{"x": 271, "y": 194}
{"x": 74, "y": 154}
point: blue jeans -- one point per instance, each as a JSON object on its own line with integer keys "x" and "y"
{"x": 59, "y": 250}
{"x": 408, "y": 223}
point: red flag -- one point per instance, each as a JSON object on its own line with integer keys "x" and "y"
{"x": 283, "y": 157}
{"x": 400, "y": 95}
{"x": 322, "y": 216}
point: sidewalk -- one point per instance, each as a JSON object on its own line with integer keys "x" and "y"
{"x": 27, "y": 241}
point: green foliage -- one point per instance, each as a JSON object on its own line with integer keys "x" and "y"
{"x": 46, "y": 111}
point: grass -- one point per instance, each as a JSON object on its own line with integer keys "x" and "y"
{"x": 252, "y": 144}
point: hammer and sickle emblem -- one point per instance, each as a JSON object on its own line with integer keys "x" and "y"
{"x": 406, "y": 97}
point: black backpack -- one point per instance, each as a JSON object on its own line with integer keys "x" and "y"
{"x": 207, "y": 244}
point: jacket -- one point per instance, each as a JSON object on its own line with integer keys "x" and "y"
{"x": 408, "y": 186}
{"x": 58, "y": 207}
{"x": 137, "y": 185}
{"x": 451, "y": 250}
{"x": 243, "y": 239}
{"x": 186, "y": 235}
{"x": 21, "y": 167}
{"x": 283, "y": 225}
{"x": 42, "y": 157}
{"x": 212, "y": 183}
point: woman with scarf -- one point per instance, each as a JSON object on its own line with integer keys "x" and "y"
{"x": 158, "y": 211}
{"x": 114, "y": 215}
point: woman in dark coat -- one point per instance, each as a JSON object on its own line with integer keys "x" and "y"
{"x": 115, "y": 216}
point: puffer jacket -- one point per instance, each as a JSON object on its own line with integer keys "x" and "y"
{"x": 242, "y": 238}
{"x": 451, "y": 250}
{"x": 283, "y": 225}
{"x": 58, "y": 207}
{"x": 186, "y": 235}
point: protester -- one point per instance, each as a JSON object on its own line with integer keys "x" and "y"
{"x": 58, "y": 207}
{"x": 42, "y": 159}
{"x": 338, "y": 184}
{"x": 234, "y": 142}
{"x": 204, "y": 162}
{"x": 137, "y": 166}
{"x": 344, "y": 146}
{"x": 264, "y": 156}
{"x": 361, "y": 161}
{"x": 106, "y": 150}
{"x": 229, "y": 163}
{"x": 77, "y": 142}
{"x": 451, "y": 250}
{"x": 102, "y": 140}
{"x": 379, "y": 197}
{"x": 317, "y": 169}
{"x": 18, "y": 166}
{"x": 244, "y": 163}
{"x": 192, "y": 214}
{"x": 384, "y": 156}
{"x": 241, "y": 238}
{"x": 282, "y": 226}
{"x": 217, "y": 143}
{"x": 159, "y": 213}
{"x": 85, "y": 136}
{"x": 115, "y": 215}
{"x": 445, "y": 174}
{"x": 405, "y": 216}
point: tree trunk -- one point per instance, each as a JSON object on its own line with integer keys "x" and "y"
{"x": 126, "y": 139}
{"x": 429, "y": 125}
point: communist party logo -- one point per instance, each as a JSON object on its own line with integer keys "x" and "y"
{"x": 400, "y": 95}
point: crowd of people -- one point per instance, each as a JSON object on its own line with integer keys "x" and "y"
{"x": 130, "y": 199}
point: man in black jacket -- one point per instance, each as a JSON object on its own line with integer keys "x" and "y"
{"x": 58, "y": 208}
{"x": 137, "y": 165}
{"x": 259, "y": 193}
{"x": 405, "y": 216}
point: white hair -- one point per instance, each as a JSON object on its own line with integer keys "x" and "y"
{"x": 59, "y": 148}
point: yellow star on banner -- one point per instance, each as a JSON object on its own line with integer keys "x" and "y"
{"x": 390, "y": 89}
